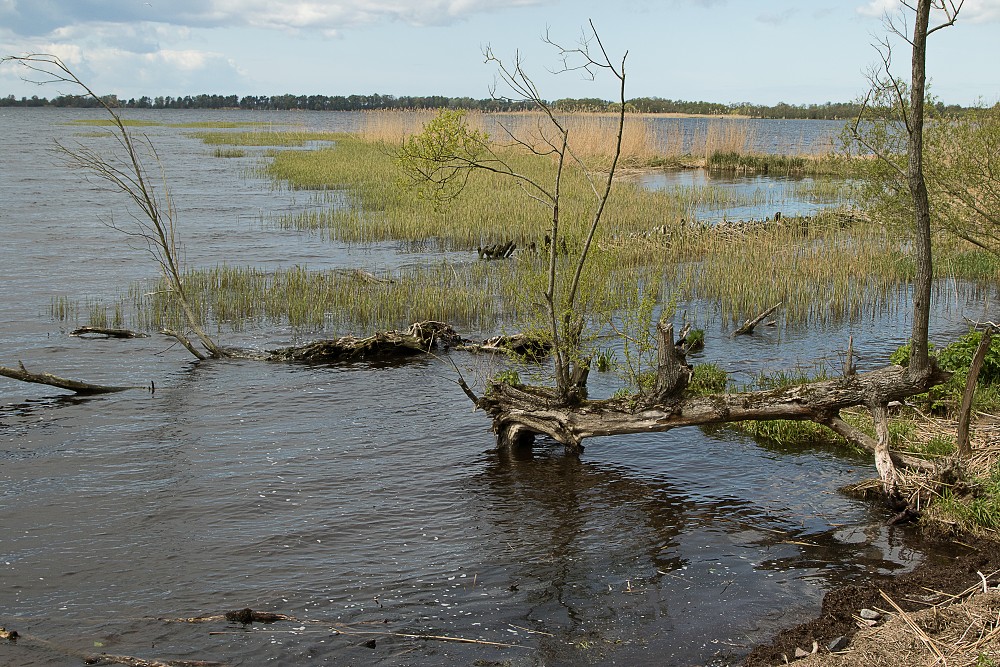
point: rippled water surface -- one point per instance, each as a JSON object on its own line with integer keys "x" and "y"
{"x": 368, "y": 502}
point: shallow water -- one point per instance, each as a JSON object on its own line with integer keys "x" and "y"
{"x": 369, "y": 500}
{"x": 753, "y": 197}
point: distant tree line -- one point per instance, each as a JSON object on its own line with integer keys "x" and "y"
{"x": 826, "y": 111}
{"x": 274, "y": 103}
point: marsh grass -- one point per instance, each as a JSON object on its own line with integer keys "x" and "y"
{"x": 61, "y": 308}
{"x": 229, "y": 152}
{"x": 241, "y": 297}
{"x": 268, "y": 137}
{"x": 222, "y": 125}
{"x": 823, "y": 269}
{"x": 743, "y": 162}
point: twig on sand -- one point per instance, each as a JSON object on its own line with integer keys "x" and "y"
{"x": 928, "y": 642}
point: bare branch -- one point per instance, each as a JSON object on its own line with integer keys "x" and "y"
{"x": 126, "y": 173}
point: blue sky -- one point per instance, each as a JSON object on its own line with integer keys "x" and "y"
{"x": 761, "y": 51}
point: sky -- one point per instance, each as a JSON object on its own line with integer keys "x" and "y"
{"x": 728, "y": 51}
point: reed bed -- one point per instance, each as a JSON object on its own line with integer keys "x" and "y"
{"x": 476, "y": 296}
{"x": 646, "y": 139}
{"x": 822, "y": 269}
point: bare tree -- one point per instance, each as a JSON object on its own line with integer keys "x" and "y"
{"x": 447, "y": 152}
{"x": 153, "y": 219}
{"x": 520, "y": 412}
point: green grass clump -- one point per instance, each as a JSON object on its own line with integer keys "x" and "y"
{"x": 976, "y": 512}
{"x": 708, "y": 379}
{"x": 936, "y": 446}
{"x": 241, "y": 297}
{"x": 945, "y": 399}
{"x": 229, "y": 152}
{"x": 62, "y": 309}
{"x": 744, "y": 163}
{"x": 785, "y": 432}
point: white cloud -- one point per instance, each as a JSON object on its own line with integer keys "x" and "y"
{"x": 974, "y": 11}
{"x": 31, "y": 17}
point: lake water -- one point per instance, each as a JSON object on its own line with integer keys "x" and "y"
{"x": 369, "y": 502}
{"x": 747, "y": 197}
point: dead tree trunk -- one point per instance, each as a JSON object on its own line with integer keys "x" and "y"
{"x": 964, "y": 414}
{"x": 672, "y": 370}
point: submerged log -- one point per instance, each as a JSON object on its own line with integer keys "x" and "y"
{"x": 420, "y": 338}
{"x": 82, "y": 388}
{"x": 107, "y": 332}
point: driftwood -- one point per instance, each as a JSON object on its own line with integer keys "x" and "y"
{"x": 521, "y": 413}
{"x": 82, "y": 388}
{"x": 497, "y": 250}
{"x": 520, "y": 345}
{"x": 420, "y": 338}
{"x": 749, "y": 325}
{"x": 107, "y": 332}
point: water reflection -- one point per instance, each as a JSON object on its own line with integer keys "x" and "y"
{"x": 584, "y": 548}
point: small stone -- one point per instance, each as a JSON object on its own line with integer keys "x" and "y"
{"x": 870, "y": 615}
{"x": 838, "y": 644}
{"x": 799, "y": 653}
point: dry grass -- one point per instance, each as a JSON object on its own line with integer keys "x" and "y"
{"x": 963, "y": 631}
{"x": 592, "y": 135}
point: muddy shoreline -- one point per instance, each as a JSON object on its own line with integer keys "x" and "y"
{"x": 951, "y": 568}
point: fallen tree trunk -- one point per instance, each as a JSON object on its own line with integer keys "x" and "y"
{"x": 521, "y": 413}
{"x": 83, "y": 388}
